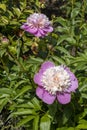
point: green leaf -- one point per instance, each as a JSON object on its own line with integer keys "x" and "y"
{"x": 14, "y": 22}
{"x": 36, "y": 104}
{"x": 5, "y": 20}
{"x": 25, "y": 120}
{"x": 67, "y": 128}
{"x": 84, "y": 95}
{"x": 45, "y": 123}
{"x": 67, "y": 114}
{"x": 75, "y": 12}
{"x": 62, "y": 29}
{"x": 5, "y": 91}
{"x": 53, "y": 109}
{"x": 3, "y": 102}
{"x": 2, "y": 52}
{"x": 59, "y": 60}
{"x": 36, "y": 122}
{"x": 62, "y": 21}
{"x": 20, "y": 83}
{"x": 62, "y": 49}
{"x": 22, "y": 91}
{"x": 62, "y": 128}
{"x": 23, "y": 112}
{"x": 71, "y": 40}
{"x": 35, "y": 60}
{"x": 25, "y": 105}
{"x": 82, "y": 124}
{"x": 3, "y": 7}
{"x": 17, "y": 11}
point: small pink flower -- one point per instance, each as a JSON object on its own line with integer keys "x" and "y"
{"x": 38, "y": 25}
{"x": 4, "y": 39}
{"x": 55, "y": 82}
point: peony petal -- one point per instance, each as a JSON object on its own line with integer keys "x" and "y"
{"x": 46, "y": 65}
{"x": 37, "y": 78}
{"x": 24, "y": 26}
{"x": 27, "y": 28}
{"x": 38, "y": 34}
{"x": 31, "y": 30}
{"x": 48, "y": 98}
{"x": 63, "y": 98}
{"x": 45, "y": 96}
{"x": 39, "y": 92}
{"x": 42, "y": 32}
{"x": 74, "y": 81}
{"x": 48, "y": 29}
{"x": 74, "y": 85}
{"x": 72, "y": 76}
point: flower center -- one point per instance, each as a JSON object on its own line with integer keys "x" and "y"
{"x": 56, "y": 79}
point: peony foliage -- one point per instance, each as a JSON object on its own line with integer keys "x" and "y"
{"x": 43, "y": 65}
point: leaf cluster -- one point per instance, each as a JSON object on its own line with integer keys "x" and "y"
{"x": 21, "y": 55}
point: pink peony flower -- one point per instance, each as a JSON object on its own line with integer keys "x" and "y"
{"x": 55, "y": 82}
{"x": 38, "y": 25}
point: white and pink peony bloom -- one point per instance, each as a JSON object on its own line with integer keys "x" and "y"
{"x": 38, "y": 25}
{"x": 55, "y": 82}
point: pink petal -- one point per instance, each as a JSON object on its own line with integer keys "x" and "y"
{"x": 27, "y": 28}
{"x": 32, "y": 30}
{"x": 74, "y": 81}
{"x": 72, "y": 76}
{"x": 45, "y": 96}
{"x": 48, "y": 29}
{"x": 24, "y": 26}
{"x": 42, "y": 32}
{"x": 46, "y": 65}
{"x": 38, "y": 34}
{"x": 39, "y": 92}
{"x": 64, "y": 98}
{"x": 74, "y": 85}
{"x": 37, "y": 79}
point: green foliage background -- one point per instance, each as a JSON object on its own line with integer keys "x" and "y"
{"x": 21, "y": 56}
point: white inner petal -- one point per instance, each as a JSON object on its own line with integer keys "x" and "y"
{"x": 56, "y": 79}
{"x": 38, "y": 20}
